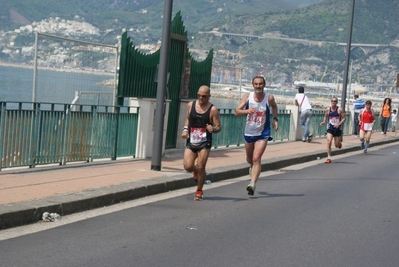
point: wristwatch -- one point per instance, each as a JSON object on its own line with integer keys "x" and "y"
{"x": 275, "y": 118}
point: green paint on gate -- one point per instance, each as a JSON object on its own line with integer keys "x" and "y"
{"x": 138, "y": 74}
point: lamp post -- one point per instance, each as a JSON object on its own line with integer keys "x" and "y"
{"x": 348, "y": 51}
{"x": 157, "y": 144}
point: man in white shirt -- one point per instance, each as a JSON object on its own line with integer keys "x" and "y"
{"x": 302, "y": 101}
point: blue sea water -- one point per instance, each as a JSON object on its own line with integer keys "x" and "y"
{"x": 16, "y": 84}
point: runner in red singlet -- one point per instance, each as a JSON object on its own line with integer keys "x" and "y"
{"x": 366, "y": 121}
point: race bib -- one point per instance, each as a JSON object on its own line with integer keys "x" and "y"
{"x": 368, "y": 126}
{"x": 256, "y": 118}
{"x": 334, "y": 121}
{"x": 197, "y": 135}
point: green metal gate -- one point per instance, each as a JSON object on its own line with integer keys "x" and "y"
{"x": 137, "y": 74}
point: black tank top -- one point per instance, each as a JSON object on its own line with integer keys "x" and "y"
{"x": 200, "y": 121}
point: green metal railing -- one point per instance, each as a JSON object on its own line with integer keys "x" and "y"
{"x": 233, "y": 128}
{"x": 317, "y": 118}
{"x": 40, "y": 133}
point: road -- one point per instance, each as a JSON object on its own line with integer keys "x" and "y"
{"x": 342, "y": 214}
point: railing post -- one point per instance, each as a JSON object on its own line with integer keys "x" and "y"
{"x": 115, "y": 152}
{"x": 64, "y": 138}
{"x": 35, "y": 134}
{"x": 93, "y": 123}
{"x": 2, "y": 119}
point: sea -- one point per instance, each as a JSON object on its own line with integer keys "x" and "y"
{"x": 16, "y": 85}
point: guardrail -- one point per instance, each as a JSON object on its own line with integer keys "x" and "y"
{"x": 41, "y": 133}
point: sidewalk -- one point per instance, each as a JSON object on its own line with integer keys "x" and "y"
{"x": 26, "y": 193}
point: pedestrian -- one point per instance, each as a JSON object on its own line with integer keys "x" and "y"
{"x": 202, "y": 120}
{"x": 366, "y": 120}
{"x": 305, "y": 108}
{"x": 394, "y": 119}
{"x": 358, "y": 105}
{"x": 256, "y": 106}
{"x": 335, "y": 117}
{"x": 385, "y": 115}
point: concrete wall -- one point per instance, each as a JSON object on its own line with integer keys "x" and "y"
{"x": 180, "y": 142}
{"x": 145, "y": 131}
{"x": 295, "y": 128}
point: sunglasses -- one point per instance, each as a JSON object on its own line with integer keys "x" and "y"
{"x": 203, "y": 96}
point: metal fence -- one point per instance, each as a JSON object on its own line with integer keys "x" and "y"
{"x": 233, "y": 128}
{"x": 38, "y": 133}
{"x": 34, "y": 133}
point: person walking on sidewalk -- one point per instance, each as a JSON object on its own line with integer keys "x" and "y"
{"x": 202, "y": 120}
{"x": 336, "y": 117}
{"x": 256, "y": 106}
{"x": 302, "y": 101}
{"x": 358, "y": 105}
{"x": 366, "y": 119}
{"x": 394, "y": 119}
{"x": 385, "y": 115}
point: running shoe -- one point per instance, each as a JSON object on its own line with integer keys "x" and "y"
{"x": 199, "y": 195}
{"x": 251, "y": 190}
{"x": 195, "y": 177}
{"x": 365, "y": 151}
{"x": 310, "y": 137}
{"x": 340, "y": 146}
{"x": 328, "y": 161}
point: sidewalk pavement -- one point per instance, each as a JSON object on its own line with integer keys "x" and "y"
{"x": 25, "y": 194}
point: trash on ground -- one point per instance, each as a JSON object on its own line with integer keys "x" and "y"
{"x": 51, "y": 217}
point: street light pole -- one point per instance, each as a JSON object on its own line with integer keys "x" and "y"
{"x": 348, "y": 53}
{"x": 157, "y": 144}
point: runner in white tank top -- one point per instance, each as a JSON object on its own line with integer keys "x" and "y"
{"x": 256, "y": 106}
{"x": 258, "y": 123}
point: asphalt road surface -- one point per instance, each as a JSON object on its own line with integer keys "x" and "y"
{"x": 342, "y": 214}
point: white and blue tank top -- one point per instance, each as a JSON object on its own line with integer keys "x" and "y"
{"x": 258, "y": 123}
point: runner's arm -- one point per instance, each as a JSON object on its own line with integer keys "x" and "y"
{"x": 215, "y": 119}
{"x": 240, "y": 109}
{"x": 325, "y": 118}
{"x": 343, "y": 116}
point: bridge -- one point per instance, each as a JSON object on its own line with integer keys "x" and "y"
{"x": 366, "y": 48}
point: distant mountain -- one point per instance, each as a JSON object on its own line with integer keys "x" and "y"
{"x": 138, "y": 14}
{"x": 375, "y": 22}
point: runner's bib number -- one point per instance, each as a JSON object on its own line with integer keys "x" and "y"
{"x": 197, "y": 135}
{"x": 368, "y": 126}
{"x": 334, "y": 121}
{"x": 256, "y": 118}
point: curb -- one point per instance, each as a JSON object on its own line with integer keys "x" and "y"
{"x": 24, "y": 213}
